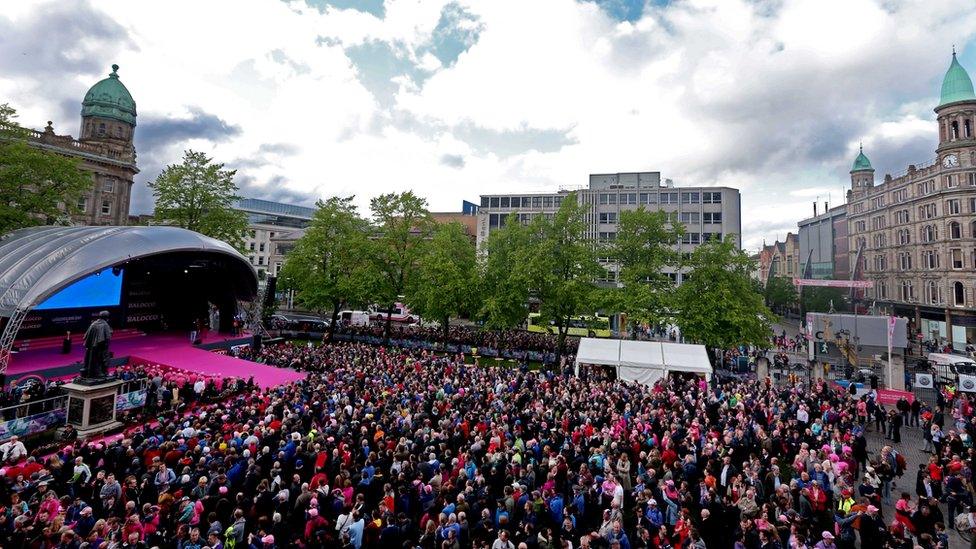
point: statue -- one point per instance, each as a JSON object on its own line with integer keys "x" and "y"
{"x": 97, "y": 338}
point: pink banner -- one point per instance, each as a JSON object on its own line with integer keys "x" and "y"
{"x": 833, "y": 283}
{"x": 891, "y": 396}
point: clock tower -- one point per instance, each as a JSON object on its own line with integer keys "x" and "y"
{"x": 956, "y": 115}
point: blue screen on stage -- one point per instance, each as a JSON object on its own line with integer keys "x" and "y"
{"x": 102, "y": 289}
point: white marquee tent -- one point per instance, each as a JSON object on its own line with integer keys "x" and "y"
{"x": 643, "y": 361}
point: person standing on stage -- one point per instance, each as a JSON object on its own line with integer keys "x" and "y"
{"x": 97, "y": 340}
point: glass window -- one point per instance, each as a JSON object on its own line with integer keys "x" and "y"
{"x": 484, "y": 201}
{"x": 494, "y": 202}
{"x": 106, "y": 207}
{"x": 608, "y": 217}
{"x": 108, "y": 186}
{"x": 628, "y": 198}
{"x": 536, "y": 201}
{"x": 669, "y": 198}
{"x": 689, "y": 217}
{"x": 690, "y": 198}
{"x": 505, "y": 202}
{"x": 547, "y": 202}
{"x": 526, "y": 201}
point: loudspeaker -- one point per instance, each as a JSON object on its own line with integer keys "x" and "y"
{"x": 256, "y": 343}
{"x": 270, "y": 289}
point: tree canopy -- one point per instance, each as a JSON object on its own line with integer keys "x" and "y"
{"x": 780, "y": 293}
{"x": 37, "y": 186}
{"x": 446, "y": 281}
{"x": 717, "y": 304}
{"x": 503, "y": 287}
{"x": 199, "y": 194}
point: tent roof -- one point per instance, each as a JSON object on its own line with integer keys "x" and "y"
{"x": 605, "y": 352}
{"x": 686, "y": 358}
{"x": 642, "y": 354}
{"x": 37, "y": 262}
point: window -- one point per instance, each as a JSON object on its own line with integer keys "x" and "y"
{"x": 878, "y": 202}
{"x": 860, "y": 243}
{"x": 254, "y": 233}
{"x": 608, "y": 217}
{"x": 260, "y": 260}
{"x": 860, "y": 226}
{"x": 669, "y": 198}
{"x": 858, "y": 207}
{"x": 250, "y": 258}
{"x": 607, "y": 236}
{"x": 927, "y": 211}
{"x": 972, "y": 179}
{"x": 926, "y": 187}
{"x": 546, "y": 201}
{"x": 711, "y": 198}
{"x": 628, "y": 198}
{"x": 261, "y": 247}
{"x": 958, "y": 294}
{"x": 972, "y": 205}
{"x": 930, "y": 233}
{"x": 108, "y": 185}
{"x": 671, "y": 217}
{"x": 691, "y": 238}
{"x": 82, "y": 204}
{"x": 880, "y": 263}
{"x": 955, "y": 258}
{"x": 484, "y": 202}
{"x": 106, "y": 207}
{"x": 494, "y": 202}
{"x": 901, "y": 217}
{"x": 904, "y": 236}
{"x": 953, "y": 207}
{"x": 505, "y": 202}
{"x": 526, "y": 202}
{"x": 712, "y": 217}
{"x": 880, "y": 240}
{"x": 901, "y": 195}
{"x": 905, "y": 261}
{"x": 930, "y": 260}
{"x": 907, "y": 293}
{"x": 711, "y": 236}
{"x": 271, "y": 234}
{"x": 648, "y": 198}
{"x": 250, "y": 246}
{"x": 690, "y": 217}
{"x": 607, "y": 198}
{"x": 882, "y": 289}
{"x": 932, "y": 292}
{"x": 691, "y": 198}
{"x": 536, "y": 202}
{"x": 955, "y": 230}
{"x": 557, "y": 201}
{"x": 951, "y": 181}
{"x": 101, "y": 129}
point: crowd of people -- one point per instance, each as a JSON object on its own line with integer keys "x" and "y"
{"x": 394, "y": 447}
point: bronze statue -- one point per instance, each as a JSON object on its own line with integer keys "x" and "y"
{"x": 97, "y": 339}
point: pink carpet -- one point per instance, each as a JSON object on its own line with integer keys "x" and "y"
{"x": 169, "y": 349}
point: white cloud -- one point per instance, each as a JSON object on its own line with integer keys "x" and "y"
{"x": 771, "y": 97}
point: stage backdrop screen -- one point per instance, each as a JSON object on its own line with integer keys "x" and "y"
{"x": 102, "y": 289}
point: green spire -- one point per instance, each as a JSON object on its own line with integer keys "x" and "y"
{"x": 956, "y": 86}
{"x": 109, "y": 98}
{"x": 861, "y": 163}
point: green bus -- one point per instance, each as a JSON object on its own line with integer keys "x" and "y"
{"x": 582, "y": 326}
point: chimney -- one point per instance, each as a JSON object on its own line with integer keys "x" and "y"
{"x": 814, "y": 208}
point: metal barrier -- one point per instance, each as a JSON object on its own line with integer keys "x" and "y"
{"x": 34, "y": 407}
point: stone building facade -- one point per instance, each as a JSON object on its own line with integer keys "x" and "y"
{"x": 914, "y": 234}
{"x": 780, "y": 259}
{"x": 104, "y": 148}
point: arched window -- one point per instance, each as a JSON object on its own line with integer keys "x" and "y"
{"x": 954, "y": 131}
{"x": 932, "y": 292}
{"x": 955, "y": 230}
{"x": 958, "y": 294}
{"x": 972, "y": 230}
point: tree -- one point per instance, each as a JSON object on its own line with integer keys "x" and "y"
{"x": 402, "y": 226}
{"x": 644, "y": 247}
{"x": 817, "y": 299}
{"x": 328, "y": 267}
{"x": 717, "y": 304}
{"x": 447, "y": 276}
{"x": 502, "y": 285}
{"x": 199, "y": 195}
{"x": 37, "y": 186}
{"x": 780, "y": 293}
{"x": 560, "y": 264}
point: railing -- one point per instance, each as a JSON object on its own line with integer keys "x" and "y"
{"x": 918, "y": 168}
{"x": 68, "y": 143}
{"x": 34, "y": 407}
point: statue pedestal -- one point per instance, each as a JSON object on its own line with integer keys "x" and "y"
{"x": 91, "y": 405}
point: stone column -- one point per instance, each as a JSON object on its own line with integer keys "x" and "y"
{"x": 897, "y": 380}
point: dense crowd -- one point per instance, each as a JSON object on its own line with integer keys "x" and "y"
{"x": 384, "y": 447}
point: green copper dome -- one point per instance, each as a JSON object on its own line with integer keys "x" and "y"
{"x": 861, "y": 163}
{"x": 956, "y": 86}
{"x": 109, "y": 98}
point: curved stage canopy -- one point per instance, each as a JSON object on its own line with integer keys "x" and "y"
{"x": 37, "y": 262}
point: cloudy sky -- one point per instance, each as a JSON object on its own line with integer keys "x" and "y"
{"x": 454, "y": 98}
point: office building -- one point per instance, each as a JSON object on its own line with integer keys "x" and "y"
{"x": 267, "y": 222}
{"x": 823, "y": 242}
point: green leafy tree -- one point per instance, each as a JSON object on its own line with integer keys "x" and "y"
{"x": 447, "y": 276}
{"x": 329, "y": 265}
{"x": 717, "y": 304}
{"x": 402, "y": 226}
{"x": 37, "y": 186}
{"x": 644, "y": 247}
{"x": 780, "y": 293}
{"x": 199, "y": 194}
{"x": 816, "y": 299}
{"x": 503, "y": 287}
{"x": 561, "y": 265}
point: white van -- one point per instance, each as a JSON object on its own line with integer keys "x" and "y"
{"x": 948, "y": 367}
{"x": 354, "y": 318}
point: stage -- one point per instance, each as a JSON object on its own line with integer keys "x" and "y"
{"x": 166, "y": 348}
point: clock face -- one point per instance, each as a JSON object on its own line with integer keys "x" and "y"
{"x": 950, "y": 161}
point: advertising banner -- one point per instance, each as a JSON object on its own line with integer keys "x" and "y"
{"x": 924, "y": 381}
{"x": 967, "y": 384}
{"x": 889, "y": 397}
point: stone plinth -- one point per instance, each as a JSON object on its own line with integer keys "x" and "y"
{"x": 91, "y": 405}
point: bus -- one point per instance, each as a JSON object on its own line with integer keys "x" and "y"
{"x": 582, "y": 326}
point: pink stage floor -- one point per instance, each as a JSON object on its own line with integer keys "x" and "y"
{"x": 170, "y": 349}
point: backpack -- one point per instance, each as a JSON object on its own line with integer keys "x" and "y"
{"x": 900, "y": 464}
